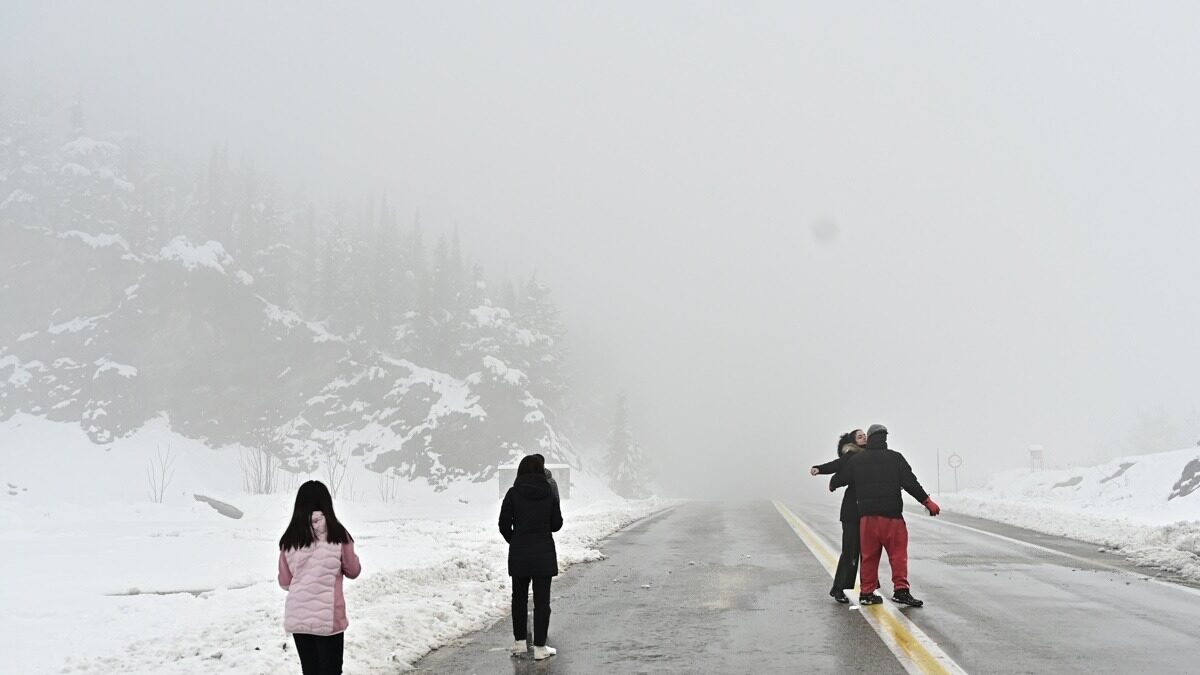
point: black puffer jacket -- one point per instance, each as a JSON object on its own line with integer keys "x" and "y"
{"x": 878, "y": 474}
{"x": 849, "y": 512}
{"x": 529, "y": 514}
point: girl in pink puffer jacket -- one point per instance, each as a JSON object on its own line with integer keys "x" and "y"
{"x": 315, "y": 553}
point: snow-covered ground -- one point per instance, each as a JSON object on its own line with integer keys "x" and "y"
{"x": 100, "y": 579}
{"x": 1143, "y": 506}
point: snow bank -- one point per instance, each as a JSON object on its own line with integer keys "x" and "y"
{"x": 111, "y": 582}
{"x": 17, "y": 196}
{"x": 101, "y": 240}
{"x": 84, "y": 146}
{"x": 210, "y": 254}
{"x": 501, "y": 371}
{"x": 487, "y": 315}
{"x": 1145, "y": 506}
{"x": 77, "y": 324}
{"x": 290, "y": 319}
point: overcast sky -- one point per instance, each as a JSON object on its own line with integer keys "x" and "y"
{"x": 978, "y": 223}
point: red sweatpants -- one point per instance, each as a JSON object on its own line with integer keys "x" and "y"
{"x": 877, "y": 533}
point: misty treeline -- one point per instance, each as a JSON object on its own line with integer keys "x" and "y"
{"x": 1157, "y": 430}
{"x": 138, "y": 283}
{"x": 628, "y": 473}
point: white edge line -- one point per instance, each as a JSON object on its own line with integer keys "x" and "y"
{"x": 1065, "y": 554}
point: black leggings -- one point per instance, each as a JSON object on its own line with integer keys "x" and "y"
{"x": 541, "y": 608}
{"x": 847, "y": 568}
{"x": 320, "y": 654}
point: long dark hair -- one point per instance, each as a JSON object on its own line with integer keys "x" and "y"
{"x": 312, "y": 496}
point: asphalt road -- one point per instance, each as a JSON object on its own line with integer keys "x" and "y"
{"x": 711, "y": 587}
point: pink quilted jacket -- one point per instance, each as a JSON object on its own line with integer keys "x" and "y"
{"x": 312, "y": 576}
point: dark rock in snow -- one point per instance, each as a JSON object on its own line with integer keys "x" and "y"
{"x": 1189, "y": 480}
{"x": 227, "y": 510}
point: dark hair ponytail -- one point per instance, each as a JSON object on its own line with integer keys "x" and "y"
{"x": 312, "y": 496}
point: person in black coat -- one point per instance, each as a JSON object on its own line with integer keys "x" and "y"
{"x": 847, "y": 567}
{"x": 528, "y": 517}
{"x": 878, "y": 474}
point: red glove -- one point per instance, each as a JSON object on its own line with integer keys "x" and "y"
{"x": 934, "y": 509}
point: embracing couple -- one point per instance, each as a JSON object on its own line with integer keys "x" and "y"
{"x": 873, "y": 513}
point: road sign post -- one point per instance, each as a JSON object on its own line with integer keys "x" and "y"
{"x": 955, "y": 461}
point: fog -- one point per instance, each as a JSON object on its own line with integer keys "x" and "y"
{"x": 768, "y": 223}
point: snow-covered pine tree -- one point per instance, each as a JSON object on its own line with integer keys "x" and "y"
{"x": 624, "y": 457}
{"x": 309, "y": 256}
{"x": 542, "y": 348}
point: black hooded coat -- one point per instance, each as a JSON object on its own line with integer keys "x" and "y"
{"x": 849, "y": 512}
{"x": 528, "y": 516}
{"x": 878, "y": 474}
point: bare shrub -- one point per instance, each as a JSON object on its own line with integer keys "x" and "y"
{"x": 260, "y": 472}
{"x": 389, "y": 487}
{"x": 290, "y": 480}
{"x": 337, "y": 463}
{"x": 159, "y": 472}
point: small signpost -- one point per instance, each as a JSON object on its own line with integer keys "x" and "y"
{"x": 955, "y": 461}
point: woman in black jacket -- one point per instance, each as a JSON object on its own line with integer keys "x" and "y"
{"x": 847, "y": 568}
{"x": 528, "y": 516}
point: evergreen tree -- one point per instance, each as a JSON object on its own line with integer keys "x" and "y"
{"x": 310, "y": 255}
{"x": 542, "y": 348}
{"x": 329, "y": 275}
{"x": 456, "y": 267}
{"x": 624, "y": 457}
{"x": 383, "y": 281}
{"x": 483, "y": 377}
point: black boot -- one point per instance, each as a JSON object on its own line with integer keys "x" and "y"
{"x": 903, "y": 597}
{"x": 869, "y": 599}
{"x": 839, "y": 595}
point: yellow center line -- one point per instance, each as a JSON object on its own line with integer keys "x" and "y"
{"x": 915, "y": 651}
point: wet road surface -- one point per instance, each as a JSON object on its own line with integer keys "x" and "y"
{"x": 729, "y": 588}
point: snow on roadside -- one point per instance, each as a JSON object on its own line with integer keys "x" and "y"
{"x": 110, "y": 582}
{"x": 1138, "y": 505}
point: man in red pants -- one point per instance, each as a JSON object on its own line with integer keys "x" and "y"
{"x": 878, "y": 475}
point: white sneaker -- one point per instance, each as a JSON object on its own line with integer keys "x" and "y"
{"x": 519, "y": 648}
{"x": 540, "y": 653}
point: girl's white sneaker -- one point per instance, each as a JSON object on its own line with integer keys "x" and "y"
{"x": 520, "y": 648}
{"x": 540, "y": 653}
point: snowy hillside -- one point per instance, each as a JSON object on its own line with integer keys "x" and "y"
{"x": 133, "y": 294}
{"x": 1145, "y": 506}
{"x": 112, "y": 582}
